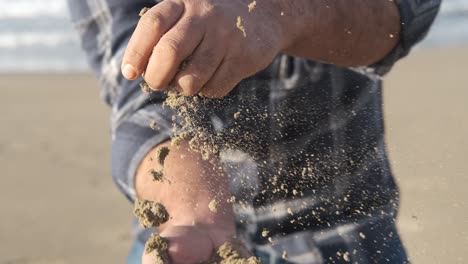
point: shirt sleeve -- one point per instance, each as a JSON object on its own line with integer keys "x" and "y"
{"x": 105, "y": 27}
{"x": 416, "y": 18}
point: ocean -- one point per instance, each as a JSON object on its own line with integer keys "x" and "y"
{"x": 35, "y": 36}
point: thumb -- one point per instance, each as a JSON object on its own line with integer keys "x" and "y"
{"x": 187, "y": 244}
{"x": 152, "y": 258}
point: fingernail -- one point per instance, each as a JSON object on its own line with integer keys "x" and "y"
{"x": 185, "y": 81}
{"x": 129, "y": 72}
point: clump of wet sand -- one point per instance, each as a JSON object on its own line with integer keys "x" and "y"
{"x": 230, "y": 253}
{"x": 156, "y": 175}
{"x": 240, "y": 26}
{"x": 145, "y": 87}
{"x": 143, "y": 11}
{"x": 213, "y": 206}
{"x": 153, "y": 214}
{"x": 161, "y": 155}
{"x": 150, "y": 214}
{"x": 252, "y": 6}
{"x": 157, "y": 246}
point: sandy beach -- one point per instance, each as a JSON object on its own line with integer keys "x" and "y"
{"x": 59, "y": 205}
{"x": 58, "y": 202}
{"x": 427, "y": 126}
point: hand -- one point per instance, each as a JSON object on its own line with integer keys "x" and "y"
{"x": 217, "y": 49}
{"x": 194, "y": 230}
{"x": 192, "y": 244}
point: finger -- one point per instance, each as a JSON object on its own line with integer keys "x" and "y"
{"x": 148, "y": 258}
{"x": 223, "y": 81}
{"x": 187, "y": 244}
{"x": 173, "y": 48}
{"x": 200, "y": 68}
{"x": 151, "y": 27}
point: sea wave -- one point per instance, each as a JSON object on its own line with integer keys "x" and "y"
{"x": 452, "y": 7}
{"x": 33, "y": 24}
{"x": 33, "y": 8}
{"x": 13, "y": 40}
{"x": 37, "y": 34}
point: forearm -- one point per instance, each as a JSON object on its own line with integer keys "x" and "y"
{"x": 189, "y": 185}
{"x": 341, "y": 32}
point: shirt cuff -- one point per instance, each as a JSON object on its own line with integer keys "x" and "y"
{"x": 416, "y": 18}
{"x": 133, "y": 138}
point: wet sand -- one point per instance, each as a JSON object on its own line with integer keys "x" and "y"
{"x": 426, "y": 107}
{"x": 59, "y": 205}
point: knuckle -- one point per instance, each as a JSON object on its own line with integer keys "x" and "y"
{"x": 210, "y": 7}
{"x": 153, "y": 83}
{"x": 233, "y": 60}
{"x": 135, "y": 54}
{"x": 189, "y": 92}
{"x": 214, "y": 90}
{"x": 152, "y": 21}
{"x": 207, "y": 59}
{"x": 187, "y": 84}
{"x": 190, "y": 85}
{"x": 211, "y": 93}
{"x": 169, "y": 46}
{"x": 224, "y": 33}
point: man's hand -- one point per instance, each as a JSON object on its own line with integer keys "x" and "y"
{"x": 192, "y": 244}
{"x": 219, "y": 42}
{"x": 194, "y": 231}
{"x": 209, "y": 46}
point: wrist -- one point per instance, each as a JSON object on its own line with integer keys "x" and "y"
{"x": 189, "y": 185}
{"x": 291, "y": 21}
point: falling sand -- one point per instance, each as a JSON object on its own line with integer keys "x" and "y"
{"x": 190, "y": 126}
{"x": 213, "y": 206}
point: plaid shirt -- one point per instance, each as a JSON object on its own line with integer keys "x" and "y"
{"x": 344, "y": 205}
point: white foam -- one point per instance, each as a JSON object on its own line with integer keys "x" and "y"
{"x": 39, "y": 65}
{"x": 33, "y": 8}
{"x": 450, "y": 7}
{"x": 12, "y": 40}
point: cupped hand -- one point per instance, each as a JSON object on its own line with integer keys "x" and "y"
{"x": 192, "y": 244}
{"x": 204, "y": 46}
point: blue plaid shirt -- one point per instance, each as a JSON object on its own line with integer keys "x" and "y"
{"x": 319, "y": 114}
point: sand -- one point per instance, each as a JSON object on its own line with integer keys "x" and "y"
{"x": 230, "y": 253}
{"x": 145, "y": 87}
{"x": 58, "y": 201}
{"x": 192, "y": 126}
{"x": 427, "y": 126}
{"x": 55, "y": 155}
{"x": 157, "y": 247}
{"x": 150, "y": 214}
{"x": 153, "y": 214}
{"x": 252, "y": 5}
{"x": 156, "y": 175}
{"x": 240, "y": 26}
{"x": 144, "y": 10}
{"x": 213, "y": 206}
{"x": 161, "y": 155}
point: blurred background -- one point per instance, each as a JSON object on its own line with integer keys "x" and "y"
{"x": 57, "y": 200}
